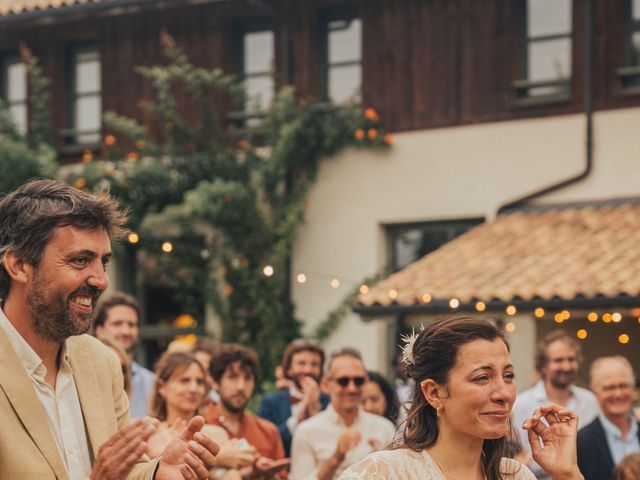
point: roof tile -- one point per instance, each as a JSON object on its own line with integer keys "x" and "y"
{"x": 590, "y": 251}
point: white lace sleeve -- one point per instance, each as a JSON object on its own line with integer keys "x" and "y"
{"x": 368, "y": 469}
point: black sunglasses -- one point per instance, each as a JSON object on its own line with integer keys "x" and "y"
{"x": 344, "y": 381}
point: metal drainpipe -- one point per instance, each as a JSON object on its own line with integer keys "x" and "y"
{"x": 588, "y": 108}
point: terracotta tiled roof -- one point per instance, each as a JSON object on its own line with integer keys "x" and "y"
{"x": 558, "y": 253}
{"x": 17, "y": 7}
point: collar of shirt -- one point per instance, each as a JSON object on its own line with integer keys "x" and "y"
{"x": 31, "y": 361}
{"x": 612, "y": 429}
{"x": 295, "y": 393}
{"x": 333, "y": 416}
{"x": 541, "y": 393}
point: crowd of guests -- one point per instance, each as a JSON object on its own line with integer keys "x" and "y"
{"x": 66, "y": 400}
{"x": 313, "y": 426}
{"x": 317, "y": 423}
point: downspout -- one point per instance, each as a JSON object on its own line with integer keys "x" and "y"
{"x": 588, "y": 109}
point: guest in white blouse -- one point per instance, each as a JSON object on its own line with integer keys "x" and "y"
{"x": 459, "y": 421}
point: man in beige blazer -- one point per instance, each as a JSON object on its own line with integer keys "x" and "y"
{"x": 63, "y": 410}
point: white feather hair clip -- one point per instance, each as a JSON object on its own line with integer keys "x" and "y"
{"x": 407, "y": 349}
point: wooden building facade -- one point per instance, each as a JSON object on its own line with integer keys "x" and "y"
{"x": 421, "y": 63}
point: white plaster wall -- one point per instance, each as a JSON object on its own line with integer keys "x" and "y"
{"x": 616, "y": 165}
{"x": 450, "y": 173}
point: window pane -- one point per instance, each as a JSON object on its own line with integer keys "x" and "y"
{"x": 19, "y": 116}
{"x": 635, "y": 48}
{"x": 635, "y": 9}
{"x": 550, "y": 60}
{"x": 258, "y": 52}
{"x": 546, "y": 17}
{"x": 87, "y": 115}
{"x": 16, "y": 82}
{"x": 344, "y": 83}
{"x": 344, "y": 40}
{"x": 87, "y": 73}
{"x": 259, "y": 93}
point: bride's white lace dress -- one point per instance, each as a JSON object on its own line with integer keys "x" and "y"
{"x": 405, "y": 464}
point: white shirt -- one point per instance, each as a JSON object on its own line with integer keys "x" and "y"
{"x": 62, "y": 405}
{"x": 618, "y": 446}
{"x": 582, "y": 402}
{"x": 315, "y": 441}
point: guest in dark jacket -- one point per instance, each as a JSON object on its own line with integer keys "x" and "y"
{"x": 302, "y": 364}
{"x": 614, "y": 433}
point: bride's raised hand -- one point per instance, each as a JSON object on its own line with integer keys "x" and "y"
{"x": 553, "y": 441}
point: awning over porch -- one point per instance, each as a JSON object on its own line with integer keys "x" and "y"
{"x": 582, "y": 255}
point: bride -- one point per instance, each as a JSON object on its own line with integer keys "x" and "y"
{"x": 460, "y": 419}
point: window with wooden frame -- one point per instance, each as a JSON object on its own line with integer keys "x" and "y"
{"x": 544, "y": 50}
{"x": 255, "y": 64}
{"x": 409, "y": 242}
{"x": 630, "y": 73}
{"x": 15, "y": 91}
{"x": 340, "y": 56}
{"x": 84, "y": 97}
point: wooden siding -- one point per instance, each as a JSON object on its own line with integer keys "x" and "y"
{"x": 426, "y": 63}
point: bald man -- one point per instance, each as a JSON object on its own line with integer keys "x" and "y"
{"x": 614, "y": 433}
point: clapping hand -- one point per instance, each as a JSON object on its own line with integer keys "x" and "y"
{"x": 557, "y": 453}
{"x": 191, "y": 455}
{"x": 117, "y": 457}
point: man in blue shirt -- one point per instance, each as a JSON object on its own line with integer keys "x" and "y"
{"x": 614, "y": 433}
{"x": 302, "y": 364}
{"x": 117, "y": 318}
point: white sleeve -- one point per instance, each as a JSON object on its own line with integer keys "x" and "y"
{"x": 304, "y": 464}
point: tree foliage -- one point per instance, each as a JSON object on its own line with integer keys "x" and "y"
{"x": 230, "y": 199}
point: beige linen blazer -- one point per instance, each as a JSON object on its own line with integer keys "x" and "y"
{"x": 27, "y": 447}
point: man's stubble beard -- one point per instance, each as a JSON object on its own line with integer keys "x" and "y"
{"x": 51, "y": 317}
{"x": 233, "y": 408}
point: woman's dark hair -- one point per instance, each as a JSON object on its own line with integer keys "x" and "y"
{"x": 392, "y": 409}
{"x": 434, "y": 355}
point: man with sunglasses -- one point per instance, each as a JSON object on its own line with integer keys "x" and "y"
{"x": 329, "y": 442}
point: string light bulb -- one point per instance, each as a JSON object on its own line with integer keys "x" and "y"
{"x": 510, "y": 327}
{"x": 511, "y": 310}
{"x": 393, "y": 294}
{"x": 481, "y": 306}
{"x": 606, "y": 318}
{"x": 335, "y": 283}
{"x": 454, "y": 303}
{"x": 167, "y": 247}
{"x": 539, "y": 312}
{"x": 268, "y": 270}
{"x": 582, "y": 334}
{"x": 592, "y": 317}
{"x": 616, "y": 317}
{"x": 133, "y": 237}
{"x": 426, "y": 298}
{"x": 364, "y": 289}
{"x": 301, "y": 278}
{"x": 623, "y": 338}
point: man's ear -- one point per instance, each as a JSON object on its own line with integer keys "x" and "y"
{"x": 19, "y": 270}
{"x": 433, "y": 393}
